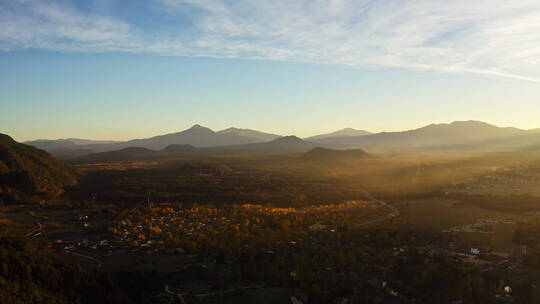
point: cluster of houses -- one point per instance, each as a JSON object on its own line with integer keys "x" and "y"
{"x": 502, "y": 179}
{"x": 484, "y": 226}
{"x": 148, "y": 233}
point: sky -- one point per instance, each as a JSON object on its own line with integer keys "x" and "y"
{"x": 112, "y": 69}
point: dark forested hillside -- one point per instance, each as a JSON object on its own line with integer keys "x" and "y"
{"x": 31, "y": 273}
{"x": 323, "y": 154}
{"x": 28, "y": 169}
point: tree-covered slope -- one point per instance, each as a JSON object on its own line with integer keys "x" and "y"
{"x": 31, "y": 170}
{"x": 31, "y": 273}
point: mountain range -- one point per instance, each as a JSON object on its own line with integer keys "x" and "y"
{"x": 280, "y": 145}
{"x": 459, "y": 135}
{"x": 197, "y": 136}
{"x": 473, "y": 135}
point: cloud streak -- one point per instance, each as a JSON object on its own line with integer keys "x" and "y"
{"x": 28, "y": 24}
{"x": 489, "y": 37}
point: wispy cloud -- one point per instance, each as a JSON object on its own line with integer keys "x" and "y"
{"x": 35, "y": 24}
{"x": 490, "y": 37}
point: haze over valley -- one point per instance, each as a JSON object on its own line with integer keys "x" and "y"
{"x": 269, "y": 152}
{"x": 471, "y": 136}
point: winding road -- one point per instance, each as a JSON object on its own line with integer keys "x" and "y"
{"x": 393, "y": 213}
{"x": 36, "y": 231}
{"x": 99, "y": 262}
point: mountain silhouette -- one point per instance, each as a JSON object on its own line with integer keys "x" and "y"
{"x": 136, "y": 153}
{"x": 282, "y": 145}
{"x": 197, "y": 136}
{"x": 459, "y": 132}
{"x": 466, "y": 135}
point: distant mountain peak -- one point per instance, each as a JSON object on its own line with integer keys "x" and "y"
{"x": 197, "y": 129}
{"x": 464, "y": 123}
{"x": 197, "y": 126}
{"x": 234, "y": 129}
{"x": 470, "y": 122}
{"x": 231, "y": 129}
{"x": 346, "y": 132}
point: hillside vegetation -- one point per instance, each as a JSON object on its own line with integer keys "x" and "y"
{"x": 26, "y": 169}
{"x": 323, "y": 154}
{"x": 30, "y": 272}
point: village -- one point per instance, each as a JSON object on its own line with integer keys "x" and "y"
{"x": 222, "y": 241}
{"x": 485, "y": 226}
{"x": 518, "y": 179}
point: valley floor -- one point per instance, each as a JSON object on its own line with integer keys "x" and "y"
{"x": 394, "y": 229}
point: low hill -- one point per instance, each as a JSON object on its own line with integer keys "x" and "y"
{"x": 69, "y": 153}
{"x": 287, "y": 142}
{"x": 282, "y": 145}
{"x": 31, "y": 170}
{"x": 136, "y": 153}
{"x": 326, "y": 155}
{"x": 178, "y": 149}
{"x": 126, "y": 154}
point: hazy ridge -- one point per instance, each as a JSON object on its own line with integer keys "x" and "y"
{"x": 459, "y": 135}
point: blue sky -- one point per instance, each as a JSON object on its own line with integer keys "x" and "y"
{"x": 109, "y": 69}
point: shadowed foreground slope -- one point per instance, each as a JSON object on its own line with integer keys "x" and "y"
{"x": 28, "y": 169}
